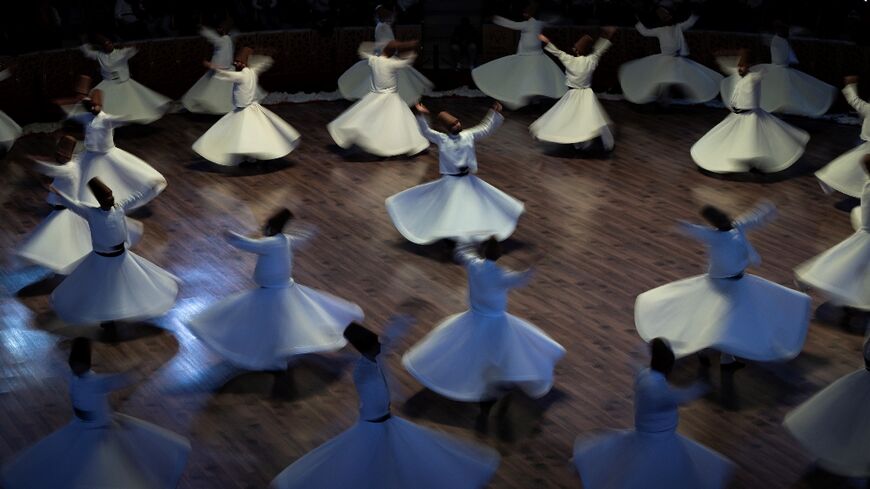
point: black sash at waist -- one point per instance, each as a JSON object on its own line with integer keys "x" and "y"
{"x": 461, "y": 173}
{"x": 58, "y": 207}
{"x": 741, "y": 111}
{"x": 83, "y": 415}
{"x": 381, "y": 419}
{"x": 116, "y": 250}
{"x": 734, "y": 277}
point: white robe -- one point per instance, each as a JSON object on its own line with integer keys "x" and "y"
{"x": 653, "y": 455}
{"x": 473, "y": 355}
{"x": 63, "y": 238}
{"x": 646, "y": 79}
{"x": 459, "y": 205}
{"x": 122, "y": 172}
{"x": 843, "y": 272}
{"x": 356, "y": 82}
{"x": 211, "y": 94}
{"x": 578, "y": 116}
{"x": 785, "y": 89}
{"x": 750, "y": 137}
{"x": 748, "y": 317}
{"x": 99, "y": 448}
{"x": 121, "y": 94}
{"x": 263, "y": 328}
{"x": 834, "y": 425}
{"x": 381, "y": 123}
{"x": 514, "y": 80}
{"x": 9, "y": 130}
{"x": 389, "y": 453}
{"x": 846, "y": 173}
{"x": 250, "y": 131}
{"x": 110, "y": 288}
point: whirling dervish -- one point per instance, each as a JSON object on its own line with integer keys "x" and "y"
{"x": 356, "y": 82}
{"x": 834, "y": 424}
{"x": 577, "y": 118}
{"x": 287, "y": 318}
{"x": 845, "y": 174}
{"x": 249, "y": 132}
{"x": 124, "y": 95}
{"x": 9, "y": 130}
{"x": 516, "y": 79}
{"x": 458, "y": 205}
{"x": 481, "y": 353}
{"x": 784, "y": 89}
{"x": 111, "y": 283}
{"x": 212, "y": 94}
{"x": 382, "y": 451}
{"x": 843, "y": 272}
{"x": 124, "y": 173}
{"x": 63, "y": 238}
{"x": 726, "y": 309}
{"x": 750, "y": 138}
{"x": 653, "y": 454}
{"x": 381, "y": 123}
{"x": 654, "y": 77}
{"x": 99, "y": 448}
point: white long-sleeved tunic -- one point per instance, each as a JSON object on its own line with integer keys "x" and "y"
{"x": 385, "y": 71}
{"x": 865, "y": 207}
{"x": 244, "y": 85}
{"x": 530, "y": 29}
{"x": 383, "y": 35}
{"x": 488, "y": 283}
{"x": 671, "y": 39}
{"x": 730, "y": 252}
{"x": 113, "y": 66}
{"x": 860, "y": 106}
{"x": 747, "y": 92}
{"x": 372, "y": 389}
{"x": 274, "y": 256}
{"x": 223, "y": 47}
{"x": 456, "y": 152}
{"x": 99, "y": 130}
{"x": 781, "y": 53}
{"x": 108, "y": 227}
{"x": 579, "y": 69}
{"x": 656, "y": 403}
{"x": 89, "y": 393}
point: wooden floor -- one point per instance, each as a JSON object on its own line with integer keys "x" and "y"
{"x": 600, "y": 231}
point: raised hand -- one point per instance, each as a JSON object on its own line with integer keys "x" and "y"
{"x": 421, "y": 109}
{"x": 850, "y": 80}
{"x": 497, "y": 106}
{"x": 544, "y": 38}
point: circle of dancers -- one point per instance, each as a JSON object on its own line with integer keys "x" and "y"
{"x": 474, "y": 356}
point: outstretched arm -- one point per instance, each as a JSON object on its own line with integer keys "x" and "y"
{"x": 688, "y": 394}
{"x": 423, "y": 125}
{"x": 260, "y": 64}
{"x": 88, "y": 51}
{"x": 226, "y": 75}
{"x": 552, "y": 49}
{"x": 69, "y": 202}
{"x": 851, "y": 94}
{"x": 127, "y": 53}
{"x": 701, "y": 233}
{"x": 513, "y": 279}
{"x": 688, "y": 23}
{"x": 643, "y": 30}
{"x": 244, "y": 243}
{"x": 488, "y": 125}
{"x": 510, "y": 24}
{"x": 210, "y": 34}
{"x": 763, "y": 213}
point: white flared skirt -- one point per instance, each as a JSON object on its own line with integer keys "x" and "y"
{"x": 356, "y": 83}
{"x": 261, "y": 329}
{"x": 250, "y": 133}
{"x": 750, "y": 140}
{"x": 128, "y": 453}
{"x": 471, "y": 357}
{"x": 133, "y": 101}
{"x": 644, "y": 80}
{"x": 63, "y": 239}
{"x": 124, "y": 173}
{"x": 124, "y": 287}
{"x": 9, "y": 131}
{"x": 514, "y": 80}
{"x": 834, "y": 425}
{"x": 395, "y": 454}
{"x": 210, "y": 95}
{"x": 842, "y": 272}
{"x": 855, "y": 217}
{"x": 788, "y": 91}
{"x": 636, "y": 460}
{"x": 846, "y": 173}
{"x": 577, "y": 117}
{"x": 749, "y": 317}
{"x": 381, "y": 124}
{"x": 456, "y": 208}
